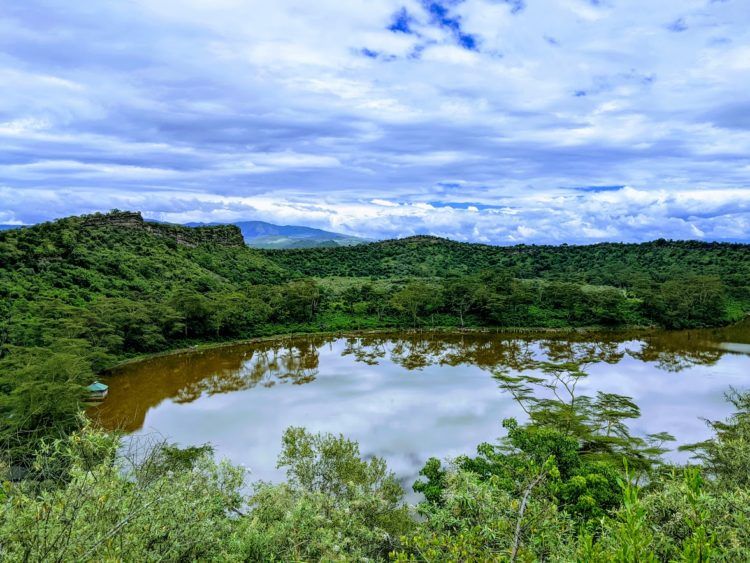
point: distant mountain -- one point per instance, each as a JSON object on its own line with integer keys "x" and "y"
{"x": 9, "y": 227}
{"x": 260, "y": 234}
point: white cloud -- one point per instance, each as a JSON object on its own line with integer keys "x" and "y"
{"x": 291, "y": 159}
{"x": 383, "y": 203}
{"x": 622, "y": 215}
{"x": 479, "y": 128}
{"x": 73, "y": 168}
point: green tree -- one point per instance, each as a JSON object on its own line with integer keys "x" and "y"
{"x": 109, "y": 508}
{"x": 694, "y": 301}
{"x": 461, "y": 295}
{"x": 334, "y": 505}
{"x": 41, "y": 394}
{"x": 302, "y": 299}
{"x": 415, "y": 300}
{"x": 195, "y": 311}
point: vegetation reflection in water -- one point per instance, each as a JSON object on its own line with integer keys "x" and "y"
{"x": 409, "y": 396}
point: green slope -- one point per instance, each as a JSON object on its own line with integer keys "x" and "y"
{"x": 79, "y": 258}
{"x": 607, "y": 264}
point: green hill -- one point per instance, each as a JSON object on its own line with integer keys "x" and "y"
{"x": 119, "y": 254}
{"x": 619, "y": 265}
{"x": 114, "y": 285}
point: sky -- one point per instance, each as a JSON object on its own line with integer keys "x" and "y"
{"x": 496, "y": 121}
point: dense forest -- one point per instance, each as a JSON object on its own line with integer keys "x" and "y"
{"x": 617, "y": 265}
{"x": 80, "y": 294}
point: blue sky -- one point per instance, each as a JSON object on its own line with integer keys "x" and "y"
{"x": 497, "y": 121}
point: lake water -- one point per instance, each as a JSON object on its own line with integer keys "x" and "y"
{"x": 407, "y": 397}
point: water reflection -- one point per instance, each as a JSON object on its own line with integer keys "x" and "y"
{"x": 409, "y": 396}
{"x": 183, "y": 378}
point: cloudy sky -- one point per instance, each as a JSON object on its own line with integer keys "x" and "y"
{"x": 497, "y": 121}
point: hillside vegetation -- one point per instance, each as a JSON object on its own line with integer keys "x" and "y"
{"x": 615, "y": 264}
{"x": 80, "y": 258}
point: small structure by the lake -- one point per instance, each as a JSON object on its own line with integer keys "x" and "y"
{"x": 97, "y": 391}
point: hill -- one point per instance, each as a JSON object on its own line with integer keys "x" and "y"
{"x": 123, "y": 285}
{"x": 81, "y": 293}
{"x": 615, "y": 264}
{"x": 260, "y": 234}
{"x": 120, "y": 283}
{"x": 121, "y": 252}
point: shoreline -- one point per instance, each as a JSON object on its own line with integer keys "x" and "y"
{"x": 108, "y": 372}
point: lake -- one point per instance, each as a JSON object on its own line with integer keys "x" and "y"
{"x": 409, "y": 396}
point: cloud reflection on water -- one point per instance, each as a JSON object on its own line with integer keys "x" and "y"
{"x": 409, "y": 397}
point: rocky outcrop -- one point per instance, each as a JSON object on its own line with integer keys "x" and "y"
{"x": 225, "y": 235}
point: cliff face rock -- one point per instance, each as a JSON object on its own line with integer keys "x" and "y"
{"x": 225, "y": 235}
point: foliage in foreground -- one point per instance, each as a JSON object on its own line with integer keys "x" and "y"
{"x": 542, "y": 499}
{"x": 89, "y": 503}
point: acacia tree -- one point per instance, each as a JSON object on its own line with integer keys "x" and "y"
{"x": 41, "y": 394}
{"x": 416, "y": 299}
{"x": 461, "y": 294}
{"x": 194, "y": 309}
{"x": 551, "y": 400}
{"x": 302, "y": 299}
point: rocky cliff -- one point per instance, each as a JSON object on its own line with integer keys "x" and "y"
{"x": 225, "y": 235}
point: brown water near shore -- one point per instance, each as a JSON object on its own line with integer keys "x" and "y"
{"x": 409, "y": 396}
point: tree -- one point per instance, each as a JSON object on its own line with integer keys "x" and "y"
{"x": 416, "y": 299}
{"x": 302, "y": 299}
{"x": 461, "y": 294}
{"x": 551, "y": 400}
{"x": 726, "y": 455}
{"x": 335, "y": 505}
{"x": 104, "y": 506}
{"x": 41, "y": 394}
{"x": 195, "y": 310}
{"x": 380, "y": 302}
{"x": 694, "y": 301}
